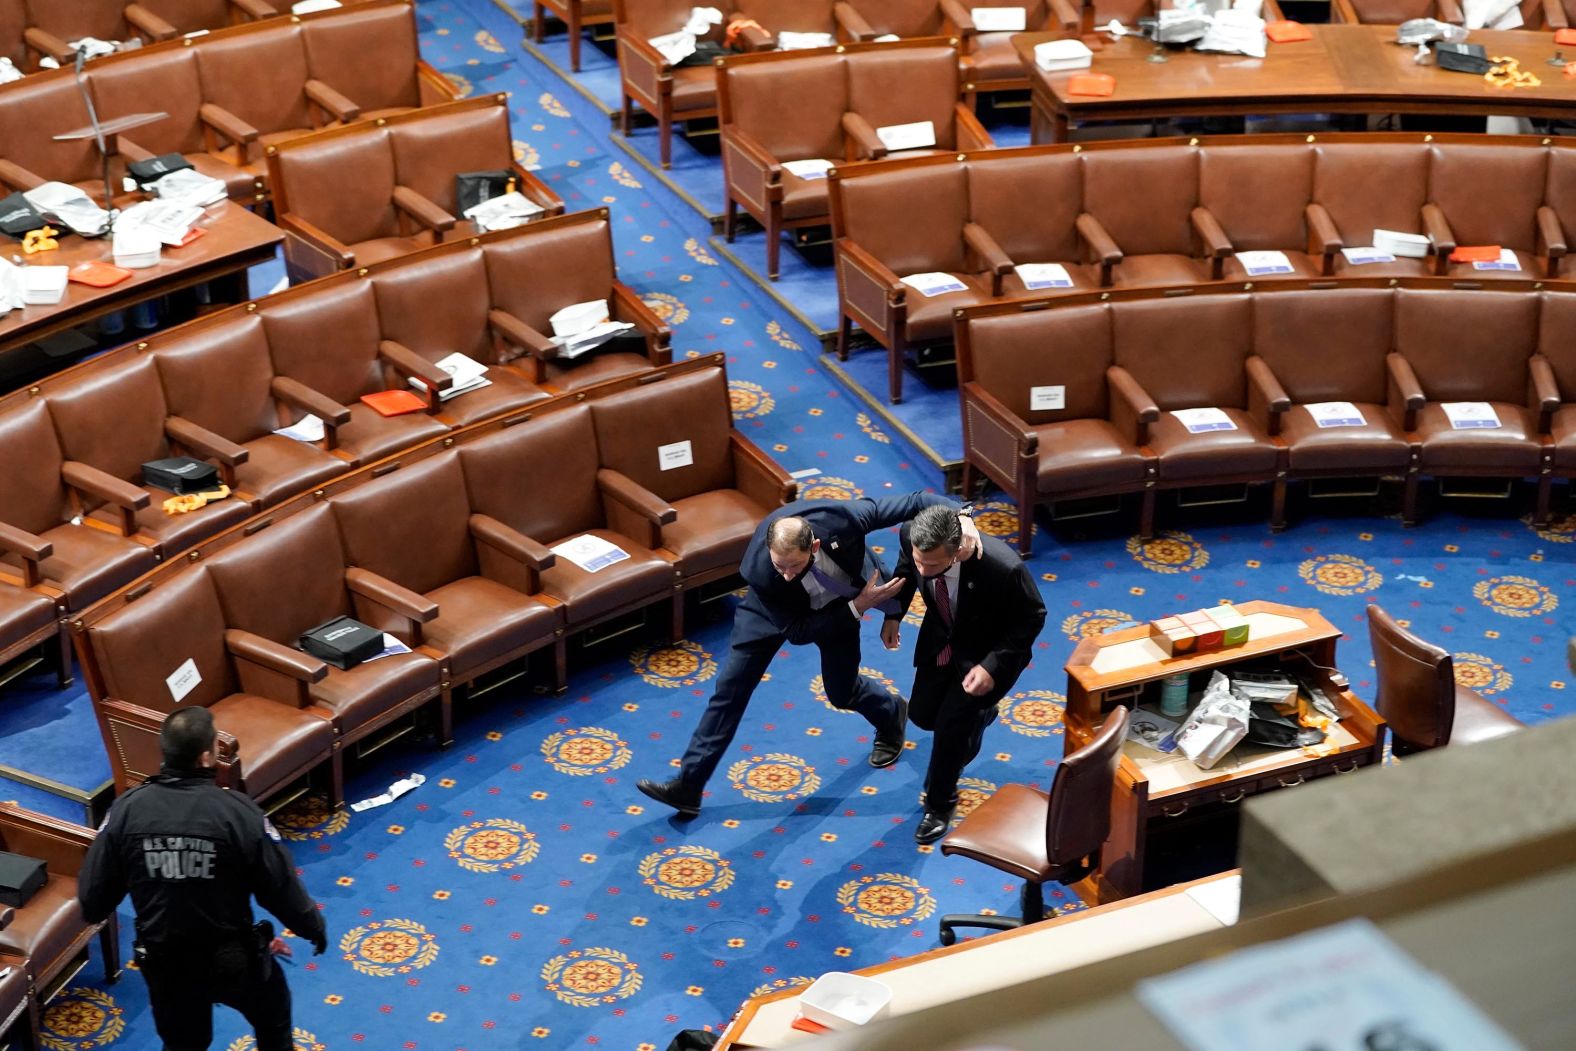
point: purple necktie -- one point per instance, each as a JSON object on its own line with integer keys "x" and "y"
{"x": 944, "y": 608}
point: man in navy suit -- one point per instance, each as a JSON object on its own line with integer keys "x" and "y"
{"x": 811, "y": 581}
{"x": 982, "y": 615}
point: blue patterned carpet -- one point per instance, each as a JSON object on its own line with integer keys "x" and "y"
{"x": 527, "y": 897}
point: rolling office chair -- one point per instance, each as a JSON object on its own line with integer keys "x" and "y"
{"x": 1417, "y": 693}
{"x": 1043, "y": 837}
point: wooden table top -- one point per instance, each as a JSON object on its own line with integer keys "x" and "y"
{"x": 1351, "y": 63}
{"x": 233, "y": 238}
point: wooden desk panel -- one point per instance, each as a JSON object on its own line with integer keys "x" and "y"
{"x": 234, "y": 240}
{"x": 1342, "y": 69}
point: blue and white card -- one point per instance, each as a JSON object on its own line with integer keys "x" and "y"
{"x": 1044, "y": 275}
{"x": 1335, "y": 414}
{"x": 1470, "y": 415}
{"x": 1202, "y": 421}
{"x": 1263, "y": 264}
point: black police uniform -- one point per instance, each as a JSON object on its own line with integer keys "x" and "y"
{"x": 192, "y": 855}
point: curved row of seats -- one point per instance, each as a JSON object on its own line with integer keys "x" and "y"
{"x": 228, "y": 95}
{"x": 449, "y": 548}
{"x": 1078, "y": 396}
{"x": 76, "y": 521}
{"x": 1176, "y": 212}
{"x": 403, "y": 196}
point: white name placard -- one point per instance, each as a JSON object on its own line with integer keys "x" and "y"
{"x": 679, "y": 454}
{"x": 183, "y": 680}
{"x": 915, "y": 136}
{"x": 1000, "y": 19}
{"x": 1043, "y": 398}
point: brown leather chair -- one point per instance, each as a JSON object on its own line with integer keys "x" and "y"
{"x": 1149, "y": 382}
{"x": 1547, "y": 14}
{"x": 1556, "y": 358}
{"x": 370, "y": 54}
{"x": 568, "y": 260}
{"x": 187, "y": 16}
{"x": 13, "y": 29}
{"x": 668, "y": 93}
{"x": 49, "y": 932}
{"x": 271, "y": 733}
{"x": 507, "y": 475}
{"x": 839, "y": 98}
{"x": 27, "y": 158}
{"x": 54, "y": 24}
{"x": 1558, "y": 214}
{"x": 1358, "y": 188}
{"x": 1041, "y": 455}
{"x": 18, "y": 1009}
{"x": 115, "y": 420}
{"x": 576, "y": 15}
{"x": 30, "y": 619}
{"x": 1394, "y": 12}
{"x": 40, "y": 492}
{"x": 1324, "y": 346}
{"x": 1046, "y": 233}
{"x": 1484, "y": 196}
{"x": 1039, "y": 836}
{"x": 330, "y": 386}
{"x": 442, "y": 307}
{"x": 292, "y": 576}
{"x": 1140, "y": 219}
{"x": 1471, "y": 349}
{"x": 1417, "y": 695}
{"x": 989, "y": 62}
{"x": 717, "y": 500}
{"x": 1256, "y": 199}
{"x": 868, "y": 19}
{"x": 416, "y": 530}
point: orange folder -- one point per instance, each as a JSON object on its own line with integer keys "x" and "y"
{"x": 1097, "y": 84}
{"x": 808, "y": 1025}
{"x": 1565, "y": 36}
{"x": 97, "y": 274}
{"x": 1287, "y": 32}
{"x": 395, "y": 402}
{"x": 1475, "y": 254}
{"x": 191, "y": 235}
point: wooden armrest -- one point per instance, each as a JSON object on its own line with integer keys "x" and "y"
{"x": 1027, "y": 441}
{"x": 1062, "y": 13}
{"x": 770, "y": 168}
{"x": 17, "y": 177}
{"x": 30, "y": 546}
{"x": 1101, "y": 245}
{"x": 873, "y": 268}
{"x": 32, "y": 824}
{"x": 1404, "y": 394}
{"x": 226, "y": 748}
{"x": 642, "y": 49}
{"x": 1217, "y": 246}
{"x": 385, "y": 592}
{"x": 331, "y": 101}
{"x": 205, "y": 443}
{"x": 1450, "y": 11}
{"x": 227, "y": 124}
{"x": 488, "y": 530}
{"x": 422, "y": 210}
{"x": 751, "y": 38}
{"x": 413, "y": 366}
{"x": 1551, "y": 237}
{"x": 982, "y": 244}
{"x": 275, "y": 656}
{"x": 757, "y": 475}
{"x": 1341, "y": 11}
{"x": 1554, "y": 15}
{"x": 104, "y": 486}
{"x": 130, "y": 151}
{"x": 1324, "y": 240}
{"x": 318, "y": 238}
{"x": 1132, "y": 404}
{"x": 958, "y": 16}
{"x": 149, "y": 24}
{"x": 971, "y": 133}
{"x": 255, "y": 9}
{"x": 1437, "y": 227}
{"x": 1266, "y": 397}
{"x": 637, "y": 498}
{"x": 47, "y": 43}
{"x": 299, "y": 396}
{"x": 852, "y": 22}
{"x": 629, "y": 307}
{"x": 1543, "y": 391}
{"x": 7, "y": 914}
{"x": 517, "y": 333}
{"x": 867, "y": 144}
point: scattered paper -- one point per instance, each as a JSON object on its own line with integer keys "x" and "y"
{"x": 504, "y": 212}
{"x": 1235, "y": 32}
{"x": 1334, "y": 414}
{"x": 809, "y": 169}
{"x": 397, "y": 789}
{"x": 168, "y": 220}
{"x": 1043, "y": 275}
{"x": 918, "y": 135}
{"x": 68, "y": 204}
{"x": 1507, "y": 261}
{"x": 1000, "y": 19}
{"x": 391, "y": 646}
{"x": 189, "y": 186}
{"x": 9, "y": 72}
{"x": 582, "y": 327}
{"x": 1359, "y": 256}
{"x": 934, "y": 283}
{"x": 308, "y": 428}
{"x": 1470, "y": 415}
{"x": 1258, "y": 264}
{"x": 307, "y": 7}
{"x": 674, "y": 47}
{"x": 469, "y": 374}
{"x": 1396, "y": 242}
{"x": 591, "y": 553}
{"x": 1153, "y": 731}
{"x": 1047, "y": 399}
{"x": 1201, "y": 421}
{"x": 183, "y": 680}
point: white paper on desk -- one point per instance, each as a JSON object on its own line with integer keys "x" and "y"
{"x": 1202, "y": 421}
{"x": 1221, "y": 898}
{"x": 1344, "y": 986}
{"x": 590, "y": 553}
{"x": 1235, "y": 32}
{"x": 391, "y": 646}
{"x": 1507, "y": 261}
{"x": 168, "y": 220}
{"x": 397, "y": 789}
{"x": 1000, "y": 19}
{"x": 189, "y": 186}
{"x": 804, "y": 41}
{"x": 1258, "y": 264}
{"x": 1043, "y": 275}
{"x": 916, "y": 136}
{"x": 1334, "y": 414}
{"x": 69, "y": 205}
{"x": 1470, "y": 415}
{"x": 809, "y": 169}
{"x": 1359, "y": 256}
{"x": 1397, "y": 242}
{"x": 934, "y": 283}
{"x": 308, "y": 428}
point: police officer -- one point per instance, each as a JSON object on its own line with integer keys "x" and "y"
{"x": 192, "y": 855}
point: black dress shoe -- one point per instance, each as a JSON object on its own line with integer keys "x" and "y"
{"x": 932, "y": 826}
{"x": 889, "y": 742}
{"x": 671, "y": 793}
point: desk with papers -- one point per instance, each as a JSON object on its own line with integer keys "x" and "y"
{"x": 1340, "y": 69}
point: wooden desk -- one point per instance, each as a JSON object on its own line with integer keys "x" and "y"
{"x": 944, "y": 976}
{"x": 1343, "y": 69}
{"x": 234, "y": 240}
{"x": 1125, "y": 667}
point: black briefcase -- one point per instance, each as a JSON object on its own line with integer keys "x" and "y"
{"x": 1463, "y": 58}
{"x": 156, "y": 168}
{"x": 20, "y": 878}
{"x": 472, "y": 188}
{"x": 180, "y": 474}
{"x": 343, "y": 642}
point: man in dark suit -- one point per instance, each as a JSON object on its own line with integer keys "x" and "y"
{"x": 810, "y": 582}
{"x": 982, "y": 615}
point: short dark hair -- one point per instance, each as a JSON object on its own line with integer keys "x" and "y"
{"x": 185, "y": 736}
{"x": 789, "y": 534}
{"x": 936, "y": 526}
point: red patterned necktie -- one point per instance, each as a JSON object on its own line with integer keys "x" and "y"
{"x": 943, "y": 607}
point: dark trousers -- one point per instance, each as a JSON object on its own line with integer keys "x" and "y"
{"x": 183, "y": 986}
{"x": 741, "y": 674}
{"x": 957, "y": 723}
